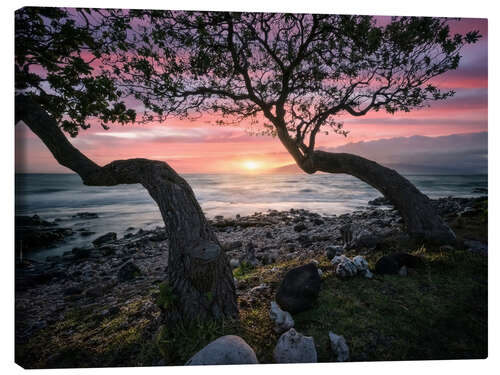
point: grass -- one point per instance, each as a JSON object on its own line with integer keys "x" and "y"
{"x": 437, "y": 312}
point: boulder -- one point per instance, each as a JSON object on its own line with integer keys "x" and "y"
{"x": 299, "y": 227}
{"x": 360, "y": 263}
{"x": 355, "y": 236}
{"x": 346, "y": 268}
{"x": 299, "y": 288}
{"x": 339, "y": 347}
{"x": 226, "y": 350}
{"x": 283, "y": 321}
{"x": 332, "y": 251}
{"x": 108, "y": 237}
{"x": 391, "y": 264}
{"x": 293, "y": 347}
{"x": 128, "y": 271}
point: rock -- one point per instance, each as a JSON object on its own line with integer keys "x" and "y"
{"x": 380, "y": 201}
{"x": 128, "y": 271}
{"x": 338, "y": 259}
{"x": 320, "y": 272}
{"x": 332, "y": 251}
{"x": 346, "y": 268}
{"x": 108, "y": 237}
{"x": 368, "y": 274}
{"x": 226, "y": 350}
{"x": 315, "y": 262}
{"x": 95, "y": 292}
{"x": 360, "y": 263}
{"x": 403, "y": 271}
{"x": 387, "y": 265}
{"x": 355, "y": 236}
{"x": 318, "y": 221}
{"x": 283, "y": 320}
{"x": 234, "y": 263}
{"x": 476, "y": 247}
{"x": 72, "y": 290}
{"x": 391, "y": 264}
{"x": 86, "y": 215}
{"x": 293, "y": 347}
{"x": 299, "y": 289}
{"x": 339, "y": 347}
{"x": 80, "y": 253}
{"x": 233, "y": 245}
{"x": 467, "y": 212}
{"x": 299, "y": 227}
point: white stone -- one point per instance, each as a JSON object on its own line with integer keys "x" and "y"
{"x": 293, "y": 347}
{"x": 360, "y": 263}
{"x": 367, "y": 274}
{"x": 346, "y": 268}
{"x": 339, "y": 347}
{"x": 320, "y": 272}
{"x": 339, "y": 259}
{"x": 226, "y": 350}
{"x": 403, "y": 271}
{"x": 283, "y": 320}
{"x": 234, "y": 263}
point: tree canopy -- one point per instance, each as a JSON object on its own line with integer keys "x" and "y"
{"x": 293, "y": 73}
{"x": 57, "y": 56}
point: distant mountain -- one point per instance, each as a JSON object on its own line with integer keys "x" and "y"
{"x": 452, "y": 154}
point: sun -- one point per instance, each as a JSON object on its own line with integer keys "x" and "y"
{"x": 251, "y": 165}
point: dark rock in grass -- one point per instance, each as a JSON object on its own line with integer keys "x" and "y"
{"x": 86, "y": 215}
{"x": 108, "y": 237}
{"x": 299, "y": 227}
{"x": 226, "y": 350}
{"x": 128, "y": 272}
{"x": 299, "y": 289}
{"x": 391, "y": 264}
{"x": 387, "y": 266}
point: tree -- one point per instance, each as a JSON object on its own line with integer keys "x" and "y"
{"x": 295, "y": 75}
{"x": 61, "y": 84}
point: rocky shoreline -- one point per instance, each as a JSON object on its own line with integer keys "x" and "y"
{"x": 114, "y": 272}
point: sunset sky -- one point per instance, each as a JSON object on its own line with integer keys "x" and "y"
{"x": 202, "y": 147}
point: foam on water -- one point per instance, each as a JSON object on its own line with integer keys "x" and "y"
{"x": 61, "y": 196}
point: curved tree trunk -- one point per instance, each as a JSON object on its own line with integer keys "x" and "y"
{"x": 198, "y": 273}
{"x": 420, "y": 217}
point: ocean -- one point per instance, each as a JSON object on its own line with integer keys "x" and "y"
{"x": 60, "y": 196}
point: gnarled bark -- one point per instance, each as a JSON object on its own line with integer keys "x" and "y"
{"x": 420, "y": 217}
{"x": 198, "y": 272}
